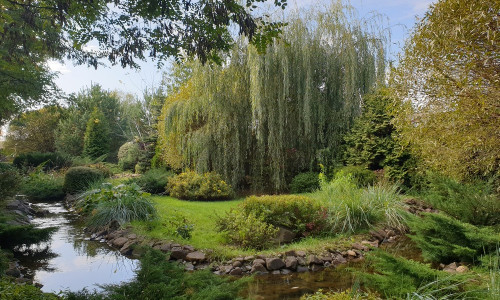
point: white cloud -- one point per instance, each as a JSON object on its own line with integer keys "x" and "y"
{"x": 58, "y": 67}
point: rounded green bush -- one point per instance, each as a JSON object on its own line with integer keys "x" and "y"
{"x": 78, "y": 179}
{"x": 128, "y": 156}
{"x": 154, "y": 181}
{"x": 304, "y": 183}
{"x": 193, "y": 186}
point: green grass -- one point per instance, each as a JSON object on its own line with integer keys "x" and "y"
{"x": 205, "y": 236}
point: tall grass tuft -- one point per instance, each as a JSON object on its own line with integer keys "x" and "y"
{"x": 351, "y": 208}
{"x": 122, "y": 203}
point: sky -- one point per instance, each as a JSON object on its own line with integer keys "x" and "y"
{"x": 400, "y": 15}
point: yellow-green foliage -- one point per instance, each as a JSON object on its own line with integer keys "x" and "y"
{"x": 260, "y": 119}
{"x": 193, "y": 186}
{"x": 301, "y": 214}
{"x": 448, "y": 82}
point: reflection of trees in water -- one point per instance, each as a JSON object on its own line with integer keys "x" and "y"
{"x": 88, "y": 248}
{"x": 36, "y": 259}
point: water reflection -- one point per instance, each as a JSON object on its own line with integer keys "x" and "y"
{"x": 69, "y": 261}
{"x": 293, "y": 286}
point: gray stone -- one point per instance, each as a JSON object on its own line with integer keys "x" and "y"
{"x": 285, "y": 271}
{"x": 291, "y": 262}
{"x": 236, "y": 271}
{"x": 290, "y": 253}
{"x": 165, "y": 247}
{"x": 302, "y": 261}
{"x": 313, "y": 259}
{"x": 359, "y": 247}
{"x": 301, "y": 253}
{"x": 119, "y": 242}
{"x": 188, "y": 248}
{"x": 302, "y": 269}
{"x": 351, "y": 253}
{"x": 225, "y": 269}
{"x": 258, "y": 268}
{"x": 284, "y": 236}
{"x": 451, "y": 268}
{"x": 462, "y": 269}
{"x": 196, "y": 256}
{"x": 132, "y": 236}
{"x": 178, "y": 253}
{"x": 339, "y": 259}
{"x": 237, "y": 264}
{"x": 259, "y": 261}
{"x": 249, "y": 258}
{"x": 274, "y": 263}
{"x": 276, "y": 272}
{"x": 189, "y": 267}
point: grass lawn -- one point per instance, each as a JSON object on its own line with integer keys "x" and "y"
{"x": 205, "y": 236}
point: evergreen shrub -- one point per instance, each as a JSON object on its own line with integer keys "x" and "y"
{"x": 96, "y": 139}
{"x": 304, "y": 183}
{"x": 361, "y": 176}
{"x": 39, "y": 186}
{"x": 474, "y": 202}
{"x": 128, "y": 156}
{"x": 445, "y": 240}
{"x": 78, "y": 179}
{"x": 300, "y": 214}
{"x": 10, "y": 290}
{"x": 193, "y": 186}
{"x": 31, "y": 160}
{"x": 154, "y": 181}
{"x": 9, "y": 180}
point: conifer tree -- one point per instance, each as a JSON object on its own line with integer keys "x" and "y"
{"x": 96, "y": 140}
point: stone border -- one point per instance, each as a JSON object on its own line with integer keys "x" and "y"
{"x": 127, "y": 243}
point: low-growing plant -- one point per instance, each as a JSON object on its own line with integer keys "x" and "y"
{"x": 360, "y": 175}
{"x": 154, "y": 181}
{"x": 78, "y": 179}
{"x": 9, "y": 290}
{"x": 444, "y": 239}
{"x": 122, "y": 203}
{"x": 50, "y": 160}
{"x": 304, "y": 183}
{"x": 474, "y": 202}
{"x": 9, "y": 180}
{"x": 246, "y": 230}
{"x": 40, "y": 186}
{"x": 178, "y": 224}
{"x": 300, "y": 214}
{"x": 193, "y": 186}
{"x": 400, "y": 278}
{"x": 351, "y": 209}
{"x": 344, "y": 295}
{"x": 16, "y": 235}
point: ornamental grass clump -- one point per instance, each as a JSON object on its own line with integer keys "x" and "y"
{"x": 351, "y": 209}
{"x": 122, "y": 203}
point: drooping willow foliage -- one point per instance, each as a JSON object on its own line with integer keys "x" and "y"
{"x": 260, "y": 119}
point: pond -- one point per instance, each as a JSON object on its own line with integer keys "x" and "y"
{"x": 70, "y": 261}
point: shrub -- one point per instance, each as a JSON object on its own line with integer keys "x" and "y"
{"x": 193, "y": 186}
{"x": 351, "y": 209}
{"x": 475, "y": 202}
{"x": 246, "y": 230}
{"x": 128, "y": 156}
{"x": 96, "y": 140}
{"x": 39, "y": 186}
{"x": 78, "y": 179}
{"x": 122, "y": 203}
{"x": 400, "y": 278}
{"x": 12, "y": 291}
{"x": 300, "y": 214}
{"x": 154, "y": 181}
{"x": 444, "y": 239}
{"x": 9, "y": 180}
{"x": 304, "y": 183}
{"x": 361, "y": 176}
{"x": 52, "y": 160}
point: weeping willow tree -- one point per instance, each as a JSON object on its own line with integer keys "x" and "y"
{"x": 260, "y": 119}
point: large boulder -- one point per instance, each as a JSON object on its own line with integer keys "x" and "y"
{"x": 196, "y": 256}
{"x": 274, "y": 263}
